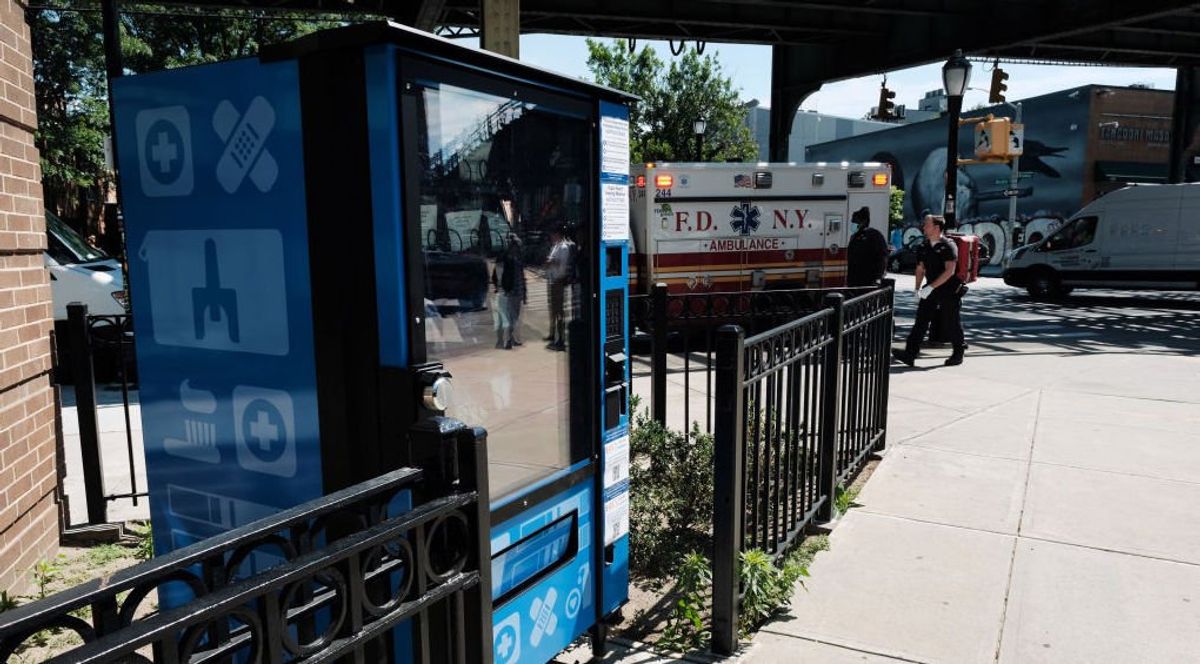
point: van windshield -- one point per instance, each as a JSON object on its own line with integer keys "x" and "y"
{"x": 72, "y": 245}
{"x": 1077, "y": 233}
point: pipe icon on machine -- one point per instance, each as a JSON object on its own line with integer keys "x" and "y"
{"x": 199, "y": 442}
{"x": 212, "y": 300}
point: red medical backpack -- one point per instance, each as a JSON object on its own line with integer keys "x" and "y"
{"x": 968, "y": 256}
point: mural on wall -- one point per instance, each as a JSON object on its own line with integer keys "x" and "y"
{"x": 1053, "y": 165}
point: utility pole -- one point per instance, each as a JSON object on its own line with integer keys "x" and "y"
{"x": 1013, "y": 180}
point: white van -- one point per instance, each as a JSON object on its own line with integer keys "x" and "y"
{"x": 1139, "y": 237}
{"x": 80, "y": 272}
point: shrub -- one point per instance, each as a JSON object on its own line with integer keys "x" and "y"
{"x": 766, "y": 588}
{"x": 686, "y": 627}
{"x": 671, "y": 495}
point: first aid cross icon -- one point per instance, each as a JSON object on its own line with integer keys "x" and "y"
{"x": 263, "y": 431}
{"x": 163, "y": 152}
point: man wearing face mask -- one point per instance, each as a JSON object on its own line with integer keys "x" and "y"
{"x": 940, "y": 297}
{"x": 866, "y": 253}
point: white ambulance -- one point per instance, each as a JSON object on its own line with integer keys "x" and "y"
{"x": 727, "y": 227}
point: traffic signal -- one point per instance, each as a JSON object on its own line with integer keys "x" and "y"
{"x": 887, "y": 108}
{"x": 996, "y": 95}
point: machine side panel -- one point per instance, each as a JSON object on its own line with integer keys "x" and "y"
{"x": 542, "y": 573}
{"x": 613, "y": 488}
{"x": 383, "y": 127}
{"x": 215, "y": 215}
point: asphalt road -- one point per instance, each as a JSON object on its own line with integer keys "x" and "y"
{"x": 996, "y": 315}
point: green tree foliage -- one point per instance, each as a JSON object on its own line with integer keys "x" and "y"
{"x": 71, "y": 81}
{"x": 896, "y": 208}
{"x": 161, "y": 37}
{"x": 672, "y": 97}
{"x": 68, "y": 74}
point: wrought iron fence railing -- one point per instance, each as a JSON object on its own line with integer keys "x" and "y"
{"x": 866, "y": 355}
{"x": 348, "y": 568}
{"x": 799, "y": 408}
{"x": 100, "y": 346}
{"x": 682, "y": 330}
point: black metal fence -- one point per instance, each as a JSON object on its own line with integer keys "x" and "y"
{"x": 350, "y": 570}
{"x": 100, "y": 347}
{"x": 799, "y": 409}
{"x": 682, "y": 332}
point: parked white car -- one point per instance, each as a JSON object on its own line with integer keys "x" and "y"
{"x": 80, "y": 272}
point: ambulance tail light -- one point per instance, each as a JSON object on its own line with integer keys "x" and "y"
{"x": 664, "y": 181}
{"x": 879, "y": 179}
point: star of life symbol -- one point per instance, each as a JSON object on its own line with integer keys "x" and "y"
{"x": 744, "y": 218}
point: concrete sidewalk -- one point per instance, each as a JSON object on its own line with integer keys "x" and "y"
{"x": 1049, "y": 512}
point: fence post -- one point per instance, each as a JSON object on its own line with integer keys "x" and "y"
{"x": 830, "y": 400}
{"x": 658, "y": 353}
{"x": 84, "y": 376}
{"x": 473, "y": 476}
{"x": 885, "y": 357}
{"x": 728, "y": 493}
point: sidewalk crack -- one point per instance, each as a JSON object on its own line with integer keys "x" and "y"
{"x": 1012, "y": 562}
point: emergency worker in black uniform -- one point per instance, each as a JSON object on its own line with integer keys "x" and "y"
{"x": 866, "y": 253}
{"x": 941, "y": 295}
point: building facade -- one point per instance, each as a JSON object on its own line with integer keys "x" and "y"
{"x": 1079, "y": 143}
{"x": 808, "y": 128}
{"x": 29, "y": 515}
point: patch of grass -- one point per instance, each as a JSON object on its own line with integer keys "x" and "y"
{"x": 843, "y": 498}
{"x": 46, "y": 572}
{"x": 106, "y": 553}
{"x": 145, "y": 541}
{"x": 803, "y": 555}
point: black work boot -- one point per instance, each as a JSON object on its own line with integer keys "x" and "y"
{"x": 904, "y": 357}
{"x": 956, "y": 358}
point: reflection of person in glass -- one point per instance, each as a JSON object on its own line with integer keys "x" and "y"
{"x": 508, "y": 277}
{"x": 559, "y": 268}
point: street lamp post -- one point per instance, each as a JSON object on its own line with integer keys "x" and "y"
{"x": 956, "y": 74}
{"x": 698, "y": 127}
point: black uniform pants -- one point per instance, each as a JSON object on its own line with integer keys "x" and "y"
{"x": 943, "y": 305}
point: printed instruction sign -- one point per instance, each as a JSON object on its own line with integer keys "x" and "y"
{"x": 614, "y": 145}
{"x": 615, "y": 211}
{"x": 616, "y": 461}
{"x": 616, "y": 517}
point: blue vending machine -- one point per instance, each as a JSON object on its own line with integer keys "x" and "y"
{"x": 365, "y": 228}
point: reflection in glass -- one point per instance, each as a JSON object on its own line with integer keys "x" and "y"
{"x": 504, "y": 214}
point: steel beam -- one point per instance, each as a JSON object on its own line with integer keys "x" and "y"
{"x": 500, "y": 27}
{"x": 793, "y": 79}
{"x": 1185, "y": 121}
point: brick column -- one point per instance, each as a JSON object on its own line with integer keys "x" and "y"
{"x": 28, "y": 481}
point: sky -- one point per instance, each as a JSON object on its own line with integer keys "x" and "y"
{"x": 750, "y": 69}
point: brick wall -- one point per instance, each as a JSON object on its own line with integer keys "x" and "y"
{"x": 28, "y": 506}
